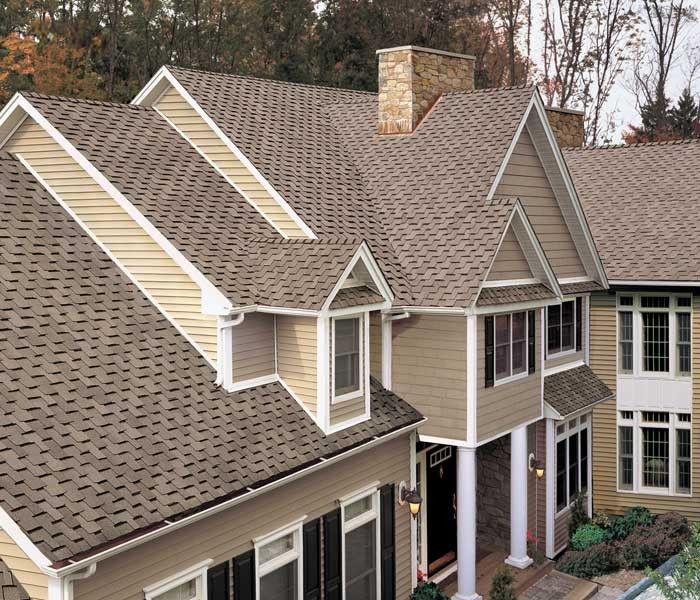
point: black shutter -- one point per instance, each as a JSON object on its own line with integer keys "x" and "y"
{"x": 244, "y": 576}
{"x": 531, "y": 349}
{"x": 332, "y": 568}
{"x": 388, "y": 562}
{"x": 579, "y": 311}
{"x": 217, "y": 582}
{"x": 488, "y": 350}
{"x": 312, "y": 560}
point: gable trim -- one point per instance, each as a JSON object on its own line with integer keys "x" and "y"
{"x": 539, "y": 108}
{"x": 111, "y": 256}
{"x": 213, "y": 301}
{"x": 510, "y": 282}
{"x": 154, "y": 89}
{"x": 8, "y": 525}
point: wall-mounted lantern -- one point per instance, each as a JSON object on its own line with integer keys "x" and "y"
{"x": 410, "y": 497}
{"x": 535, "y": 465}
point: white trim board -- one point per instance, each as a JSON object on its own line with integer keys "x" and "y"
{"x": 152, "y": 92}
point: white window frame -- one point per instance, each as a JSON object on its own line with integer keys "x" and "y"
{"x": 197, "y": 572}
{"x": 358, "y": 393}
{"x": 373, "y": 514}
{"x": 580, "y": 423}
{"x": 638, "y": 334}
{"x": 637, "y": 424}
{"x": 563, "y": 353}
{"x": 526, "y": 372}
{"x": 296, "y": 529}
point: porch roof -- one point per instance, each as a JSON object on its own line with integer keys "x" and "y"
{"x": 574, "y": 390}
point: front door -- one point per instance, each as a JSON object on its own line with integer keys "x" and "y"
{"x": 441, "y": 507}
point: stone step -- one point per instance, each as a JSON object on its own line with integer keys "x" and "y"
{"x": 584, "y": 590}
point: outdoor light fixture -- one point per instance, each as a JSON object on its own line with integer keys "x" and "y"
{"x": 534, "y": 465}
{"x": 410, "y": 497}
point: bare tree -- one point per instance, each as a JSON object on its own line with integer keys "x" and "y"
{"x": 510, "y": 15}
{"x": 612, "y": 33}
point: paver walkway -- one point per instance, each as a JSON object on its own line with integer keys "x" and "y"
{"x": 554, "y": 586}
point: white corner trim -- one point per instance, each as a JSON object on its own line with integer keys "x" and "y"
{"x": 472, "y": 377}
{"x": 323, "y": 376}
{"x": 8, "y": 525}
{"x": 164, "y": 74}
{"x": 563, "y": 367}
{"x": 114, "y": 259}
{"x": 211, "y": 296}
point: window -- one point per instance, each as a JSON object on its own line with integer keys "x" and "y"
{"x": 360, "y": 542}
{"x": 278, "y": 564}
{"x": 654, "y": 452}
{"x": 563, "y": 326}
{"x": 654, "y": 335}
{"x": 511, "y": 337}
{"x": 572, "y": 460}
{"x": 347, "y": 369}
{"x": 187, "y": 585}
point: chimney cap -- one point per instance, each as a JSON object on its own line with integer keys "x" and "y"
{"x": 566, "y": 111}
{"x": 428, "y": 50}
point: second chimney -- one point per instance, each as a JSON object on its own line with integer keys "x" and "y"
{"x": 567, "y": 126}
{"x": 411, "y": 79}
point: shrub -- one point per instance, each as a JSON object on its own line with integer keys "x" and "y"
{"x": 427, "y": 591}
{"x": 502, "y": 585}
{"x": 621, "y": 527}
{"x": 579, "y": 514}
{"x": 587, "y": 536}
{"x": 601, "y": 519}
{"x": 595, "y": 560}
{"x": 684, "y": 579}
{"x": 651, "y": 544}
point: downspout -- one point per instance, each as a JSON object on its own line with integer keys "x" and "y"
{"x": 67, "y": 581}
{"x": 224, "y": 356}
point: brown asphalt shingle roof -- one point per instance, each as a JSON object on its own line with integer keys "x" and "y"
{"x": 10, "y": 588}
{"x": 575, "y": 389}
{"x": 419, "y": 200}
{"x": 355, "y": 296}
{"x": 111, "y": 421}
{"x": 643, "y": 205}
{"x": 512, "y": 294}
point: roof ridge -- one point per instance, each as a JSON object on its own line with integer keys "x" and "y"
{"x": 275, "y": 81}
{"x": 29, "y": 95}
{"x": 675, "y": 142}
{"x": 504, "y": 88}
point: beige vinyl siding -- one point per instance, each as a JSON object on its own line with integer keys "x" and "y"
{"x": 145, "y": 260}
{"x": 503, "y": 407}
{"x": 429, "y": 362}
{"x": 204, "y": 138}
{"x": 525, "y": 178}
{"x": 296, "y": 357}
{"x": 375, "y": 344}
{"x": 346, "y": 410}
{"x": 510, "y": 262}
{"x": 34, "y": 582}
{"x": 254, "y": 347}
{"x": 230, "y": 533}
{"x": 603, "y": 362}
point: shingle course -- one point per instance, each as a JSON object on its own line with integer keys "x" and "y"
{"x": 575, "y": 389}
{"x": 513, "y": 294}
{"x": 10, "y": 588}
{"x": 111, "y": 421}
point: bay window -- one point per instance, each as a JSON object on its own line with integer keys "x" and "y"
{"x": 654, "y": 452}
{"x": 572, "y": 460}
{"x": 278, "y": 564}
{"x": 348, "y": 337}
{"x": 654, "y": 335}
{"x": 361, "y": 570}
{"x": 564, "y": 331}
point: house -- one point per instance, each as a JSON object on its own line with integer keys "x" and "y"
{"x": 245, "y": 317}
{"x": 643, "y": 328}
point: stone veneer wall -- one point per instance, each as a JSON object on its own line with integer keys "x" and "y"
{"x": 567, "y": 126}
{"x": 493, "y": 493}
{"x": 411, "y": 79}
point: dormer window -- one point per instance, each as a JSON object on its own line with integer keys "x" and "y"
{"x": 347, "y": 365}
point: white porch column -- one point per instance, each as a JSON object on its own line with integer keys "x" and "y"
{"x": 466, "y": 525}
{"x": 518, "y": 499}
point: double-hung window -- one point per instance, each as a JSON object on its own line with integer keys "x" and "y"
{"x": 186, "y": 585}
{"x": 654, "y": 335}
{"x": 361, "y": 566}
{"x": 564, "y": 331}
{"x": 348, "y": 339}
{"x": 572, "y": 460}
{"x": 509, "y": 337}
{"x": 278, "y": 557}
{"x": 654, "y": 452}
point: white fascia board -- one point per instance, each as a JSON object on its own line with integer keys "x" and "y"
{"x": 565, "y": 367}
{"x": 431, "y": 439}
{"x": 152, "y": 91}
{"x": 551, "y": 413}
{"x": 429, "y": 310}
{"x": 653, "y": 283}
{"x": 8, "y": 525}
{"x": 253, "y": 493}
{"x": 363, "y": 253}
{"x": 341, "y": 312}
{"x": 494, "y": 309}
{"x": 212, "y": 298}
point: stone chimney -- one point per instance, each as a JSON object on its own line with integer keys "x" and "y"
{"x": 411, "y": 79}
{"x": 567, "y": 126}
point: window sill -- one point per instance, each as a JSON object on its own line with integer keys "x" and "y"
{"x": 511, "y": 379}
{"x": 567, "y": 508}
{"x": 562, "y": 354}
{"x": 347, "y": 397}
{"x": 655, "y": 492}
{"x": 655, "y": 376}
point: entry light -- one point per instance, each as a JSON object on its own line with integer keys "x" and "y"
{"x": 535, "y": 465}
{"x": 410, "y": 497}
